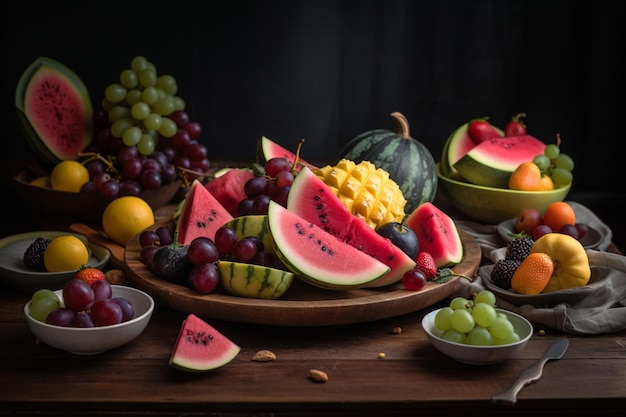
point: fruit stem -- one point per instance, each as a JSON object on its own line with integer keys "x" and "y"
{"x": 558, "y": 140}
{"x": 296, "y": 161}
{"x": 403, "y": 125}
{"x": 518, "y": 116}
{"x": 93, "y": 155}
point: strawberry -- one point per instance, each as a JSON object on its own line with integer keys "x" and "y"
{"x": 89, "y": 274}
{"x": 480, "y": 130}
{"x": 515, "y": 127}
{"x": 426, "y": 263}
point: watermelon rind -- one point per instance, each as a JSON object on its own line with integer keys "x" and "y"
{"x": 200, "y": 347}
{"x": 252, "y": 225}
{"x": 253, "y": 281}
{"x": 492, "y": 162}
{"x": 54, "y": 138}
{"x": 317, "y": 257}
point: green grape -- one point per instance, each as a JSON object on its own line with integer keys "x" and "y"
{"x": 485, "y": 296}
{"x": 146, "y": 145}
{"x": 561, "y": 177}
{"x": 139, "y": 63}
{"x": 163, "y": 106}
{"x": 552, "y": 151}
{"x": 514, "y": 338}
{"x": 128, "y": 78}
{"x": 479, "y": 336}
{"x": 153, "y": 121}
{"x": 542, "y": 161}
{"x": 484, "y": 314}
{"x": 119, "y": 112}
{"x": 115, "y": 93}
{"x": 167, "y": 83}
{"x": 564, "y": 161}
{"x": 150, "y": 95}
{"x": 40, "y": 309}
{"x": 179, "y": 103}
{"x": 168, "y": 127}
{"x": 462, "y": 321}
{"x": 119, "y": 126}
{"x": 132, "y": 136}
{"x": 134, "y": 96}
{"x": 501, "y": 328}
{"x": 140, "y": 110}
{"x": 460, "y": 303}
{"x": 442, "y": 318}
{"x": 44, "y": 293}
{"x": 454, "y": 336}
{"x": 147, "y": 78}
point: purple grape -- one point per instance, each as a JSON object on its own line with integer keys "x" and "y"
{"x": 102, "y": 290}
{"x": 168, "y": 174}
{"x": 284, "y": 178}
{"x": 202, "y": 250}
{"x": 260, "y": 204}
{"x": 126, "y": 153}
{"x": 583, "y": 229}
{"x": 82, "y": 319}
{"x": 245, "y": 206}
{"x": 95, "y": 167}
{"x": 245, "y": 249}
{"x": 128, "y": 311}
{"x": 201, "y": 165}
{"x": 541, "y": 230}
{"x": 106, "y": 312}
{"x": 147, "y": 253}
{"x": 181, "y": 139}
{"x": 255, "y": 186}
{"x": 151, "y": 179}
{"x": 132, "y": 168}
{"x": 193, "y": 128}
{"x": 78, "y": 295}
{"x": 264, "y": 258}
{"x": 100, "y": 179}
{"x": 225, "y": 239}
{"x": 569, "y": 229}
{"x": 129, "y": 187}
{"x": 61, "y": 317}
{"x": 110, "y": 190}
{"x": 205, "y": 277}
{"x": 180, "y": 117}
{"x": 151, "y": 164}
{"x": 149, "y": 238}
{"x": 274, "y": 166}
{"x": 166, "y": 236}
{"x": 88, "y": 188}
{"x": 160, "y": 157}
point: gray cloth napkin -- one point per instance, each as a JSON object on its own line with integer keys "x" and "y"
{"x": 597, "y": 308}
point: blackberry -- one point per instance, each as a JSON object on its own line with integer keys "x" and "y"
{"x": 502, "y": 272}
{"x": 33, "y": 256}
{"x": 519, "y": 248}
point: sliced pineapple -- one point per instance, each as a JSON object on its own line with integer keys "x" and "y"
{"x": 365, "y": 190}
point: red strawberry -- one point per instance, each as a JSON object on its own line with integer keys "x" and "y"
{"x": 426, "y": 263}
{"x": 480, "y": 130}
{"x": 89, "y": 274}
{"x": 515, "y": 127}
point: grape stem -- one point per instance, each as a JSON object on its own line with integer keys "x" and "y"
{"x": 93, "y": 155}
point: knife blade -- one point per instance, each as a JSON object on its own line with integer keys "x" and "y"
{"x": 532, "y": 373}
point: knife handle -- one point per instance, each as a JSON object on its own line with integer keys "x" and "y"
{"x": 530, "y": 375}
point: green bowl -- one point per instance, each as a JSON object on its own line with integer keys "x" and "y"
{"x": 495, "y": 205}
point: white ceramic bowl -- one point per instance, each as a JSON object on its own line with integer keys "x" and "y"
{"x": 479, "y": 355}
{"x": 14, "y": 274}
{"x": 94, "y": 340}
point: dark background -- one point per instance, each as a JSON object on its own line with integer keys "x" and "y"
{"x": 327, "y": 71}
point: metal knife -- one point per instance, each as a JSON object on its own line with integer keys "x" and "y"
{"x": 532, "y": 373}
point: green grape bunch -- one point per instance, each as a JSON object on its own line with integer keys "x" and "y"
{"x": 556, "y": 164}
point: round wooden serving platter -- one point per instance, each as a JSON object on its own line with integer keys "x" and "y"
{"x": 302, "y": 304}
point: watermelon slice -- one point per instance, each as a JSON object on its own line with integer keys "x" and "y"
{"x": 200, "y": 347}
{"x": 314, "y": 201}
{"x": 317, "y": 257}
{"x": 267, "y": 149}
{"x": 492, "y": 162}
{"x": 201, "y": 215}
{"x": 228, "y": 188}
{"x": 437, "y": 234}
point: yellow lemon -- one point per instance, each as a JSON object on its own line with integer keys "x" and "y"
{"x": 68, "y": 176}
{"x": 65, "y": 253}
{"x": 126, "y": 216}
{"x": 43, "y": 182}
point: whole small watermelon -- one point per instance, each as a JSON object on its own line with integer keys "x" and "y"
{"x": 408, "y": 162}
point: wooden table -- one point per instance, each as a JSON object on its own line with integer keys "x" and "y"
{"x": 412, "y": 378}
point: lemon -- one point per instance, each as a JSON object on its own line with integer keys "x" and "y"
{"x": 65, "y": 253}
{"x": 126, "y": 216}
{"x": 68, "y": 176}
{"x": 43, "y": 182}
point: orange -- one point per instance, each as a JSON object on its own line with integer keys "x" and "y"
{"x": 526, "y": 177}
{"x": 125, "y": 217}
{"x": 68, "y": 175}
{"x": 546, "y": 183}
{"x": 558, "y": 214}
{"x": 533, "y": 275}
{"x": 65, "y": 253}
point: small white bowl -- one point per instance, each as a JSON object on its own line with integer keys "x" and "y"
{"x": 94, "y": 340}
{"x": 479, "y": 355}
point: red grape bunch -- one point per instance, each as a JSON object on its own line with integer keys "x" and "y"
{"x": 272, "y": 182}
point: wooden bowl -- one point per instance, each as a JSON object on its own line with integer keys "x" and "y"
{"x": 63, "y": 207}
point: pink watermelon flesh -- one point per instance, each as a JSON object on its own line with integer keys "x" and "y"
{"x": 201, "y": 215}
{"x": 267, "y": 149}
{"x": 437, "y": 234}
{"x": 317, "y": 257}
{"x": 59, "y": 111}
{"x": 311, "y": 199}
{"x": 200, "y": 347}
{"x": 228, "y": 188}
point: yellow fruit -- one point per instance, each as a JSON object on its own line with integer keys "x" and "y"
{"x": 65, "y": 253}
{"x": 43, "y": 182}
{"x": 68, "y": 176}
{"x": 571, "y": 263}
{"x": 533, "y": 274}
{"x": 126, "y": 216}
{"x": 366, "y": 191}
